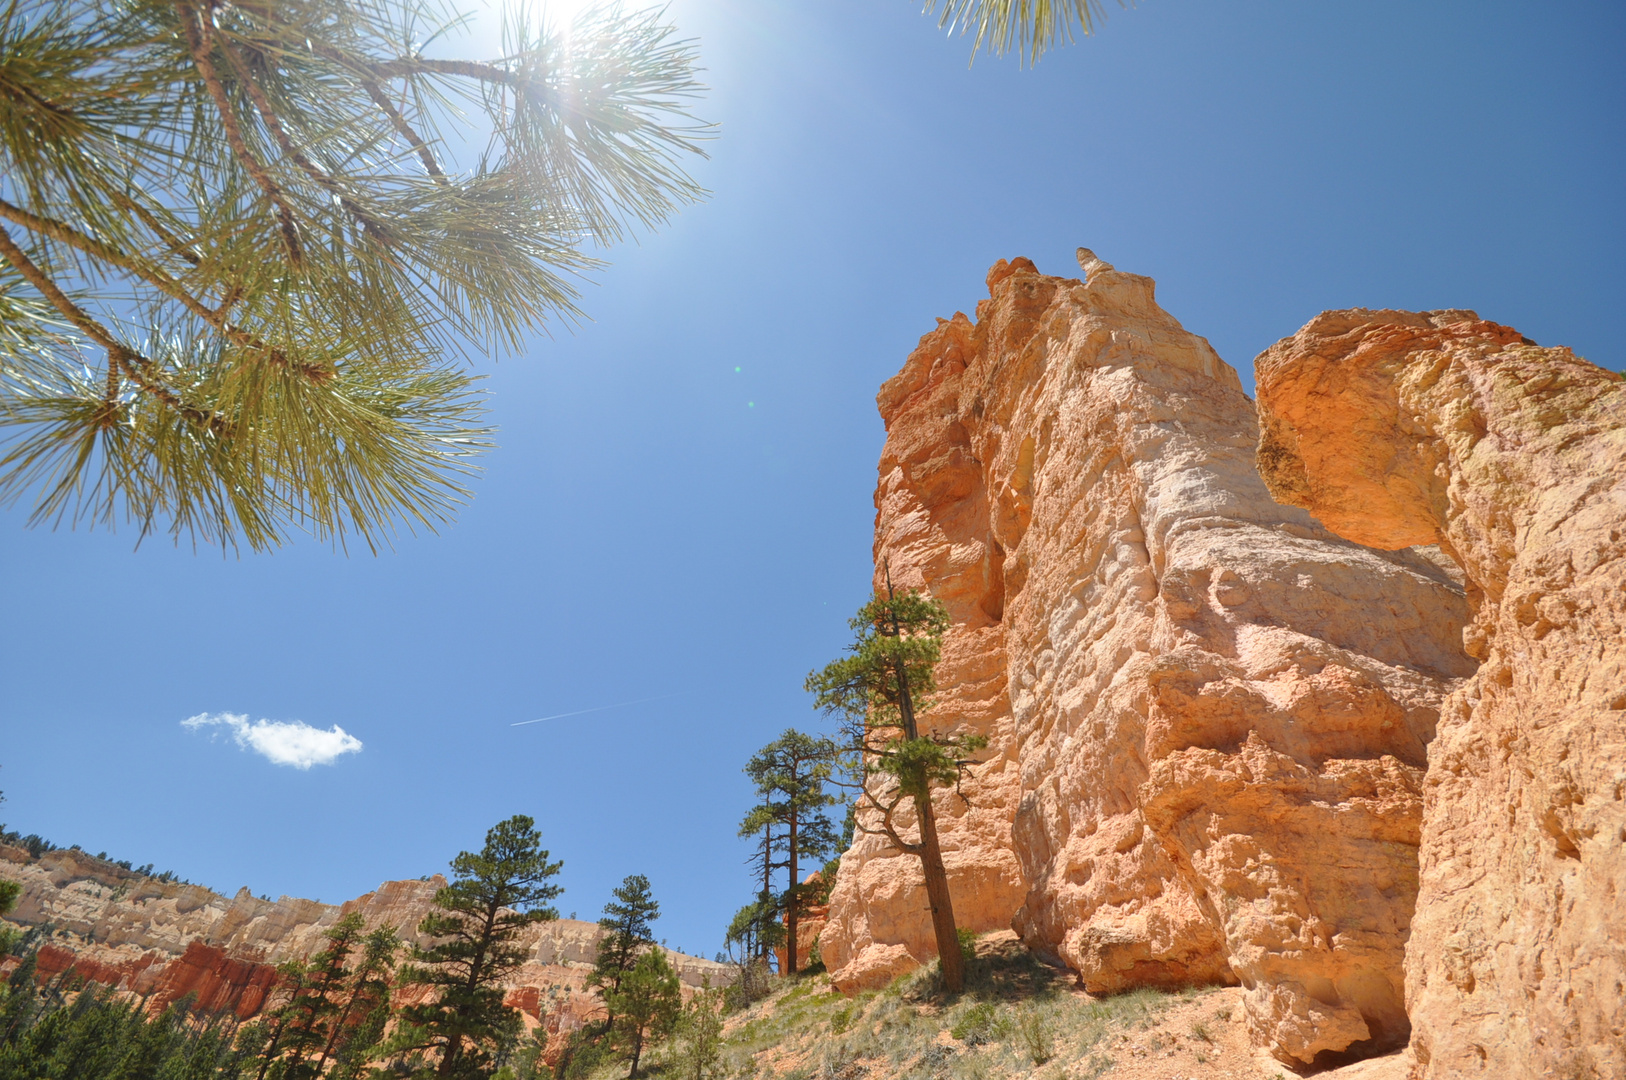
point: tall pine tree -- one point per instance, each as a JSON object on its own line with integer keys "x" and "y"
{"x": 626, "y": 925}
{"x": 495, "y": 894}
{"x": 790, "y": 775}
{"x": 878, "y": 691}
{"x": 364, "y": 1014}
{"x": 312, "y": 1012}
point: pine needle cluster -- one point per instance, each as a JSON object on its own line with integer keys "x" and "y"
{"x": 1028, "y": 28}
{"x": 246, "y": 249}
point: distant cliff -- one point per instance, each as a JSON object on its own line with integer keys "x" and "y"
{"x": 163, "y": 940}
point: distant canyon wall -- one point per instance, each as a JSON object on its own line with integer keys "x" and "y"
{"x": 164, "y": 940}
{"x": 1210, "y": 716}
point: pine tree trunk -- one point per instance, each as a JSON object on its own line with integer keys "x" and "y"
{"x": 791, "y": 902}
{"x": 270, "y": 1052}
{"x": 949, "y": 959}
{"x": 767, "y": 887}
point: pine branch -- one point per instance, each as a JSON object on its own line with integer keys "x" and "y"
{"x": 149, "y": 219}
{"x": 408, "y": 66}
{"x": 191, "y": 24}
{"x": 273, "y": 123}
{"x": 405, "y": 129}
{"x": 159, "y": 280}
{"x": 141, "y": 370}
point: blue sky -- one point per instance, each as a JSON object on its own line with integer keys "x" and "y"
{"x": 681, "y": 501}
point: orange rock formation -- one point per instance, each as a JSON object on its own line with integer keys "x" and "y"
{"x": 1208, "y": 715}
{"x": 164, "y": 940}
{"x": 1397, "y": 428}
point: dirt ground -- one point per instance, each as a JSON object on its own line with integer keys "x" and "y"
{"x": 1171, "y": 1048}
{"x": 1017, "y": 1018}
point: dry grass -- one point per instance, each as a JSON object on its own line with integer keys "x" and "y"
{"x": 1017, "y": 1017}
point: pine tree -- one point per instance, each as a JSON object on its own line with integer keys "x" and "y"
{"x": 9, "y": 891}
{"x": 646, "y": 1005}
{"x": 312, "y": 1014}
{"x": 242, "y": 248}
{"x": 361, "y": 1020}
{"x": 293, "y": 983}
{"x": 765, "y": 858}
{"x": 626, "y": 925}
{"x": 757, "y": 929}
{"x": 790, "y": 775}
{"x": 494, "y": 895}
{"x": 701, "y": 1032}
{"x": 877, "y": 692}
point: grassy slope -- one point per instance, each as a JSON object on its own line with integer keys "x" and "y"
{"x": 1017, "y": 1018}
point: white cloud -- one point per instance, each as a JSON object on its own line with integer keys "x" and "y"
{"x": 281, "y": 742}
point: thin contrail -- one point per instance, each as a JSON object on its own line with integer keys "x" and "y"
{"x": 599, "y": 708}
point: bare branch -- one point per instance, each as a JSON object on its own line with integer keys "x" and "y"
{"x": 887, "y": 829}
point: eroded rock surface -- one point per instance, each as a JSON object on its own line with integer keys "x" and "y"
{"x": 1401, "y": 428}
{"x": 164, "y": 940}
{"x": 1208, "y": 714}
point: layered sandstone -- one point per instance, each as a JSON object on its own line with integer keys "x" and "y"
{"x": 1440, "y": 428}
{"x": 1208, "y": 715}
{"x": 164, "y": 940}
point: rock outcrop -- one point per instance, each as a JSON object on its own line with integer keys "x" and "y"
{"x": 164, "y": 940}
{"x": 1397, "y": 428}
{"x": 1208, "y": 715}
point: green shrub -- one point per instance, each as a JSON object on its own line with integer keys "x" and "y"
{"x": 1034, "y": 1029}
{"x": 842, "y": 1020}
{"x": 981, "y": 1023}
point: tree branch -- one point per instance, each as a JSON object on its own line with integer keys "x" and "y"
{"x": 159, "y": 280}
{"x": 192, "y": 24}
{"x": 407, "y": 66}
{"x": 382, "y": 100}
{"x": 142, "y": 371}
{"x": 176, "y": 244}
{"x": 273, "y": 124}
{"x": 887, "y": 829}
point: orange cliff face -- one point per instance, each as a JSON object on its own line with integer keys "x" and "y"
{"x": 1399, "y": 428}
{"x": 164, "y": 940}
{"x": 1208, "y": 715}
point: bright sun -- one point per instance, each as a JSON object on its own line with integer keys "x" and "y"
{"x": 561, "y": 12}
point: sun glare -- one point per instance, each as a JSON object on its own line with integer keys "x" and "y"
{"x": 560, "y": 13}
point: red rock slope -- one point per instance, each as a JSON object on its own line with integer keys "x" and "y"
{"x": 164, "y": 940}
